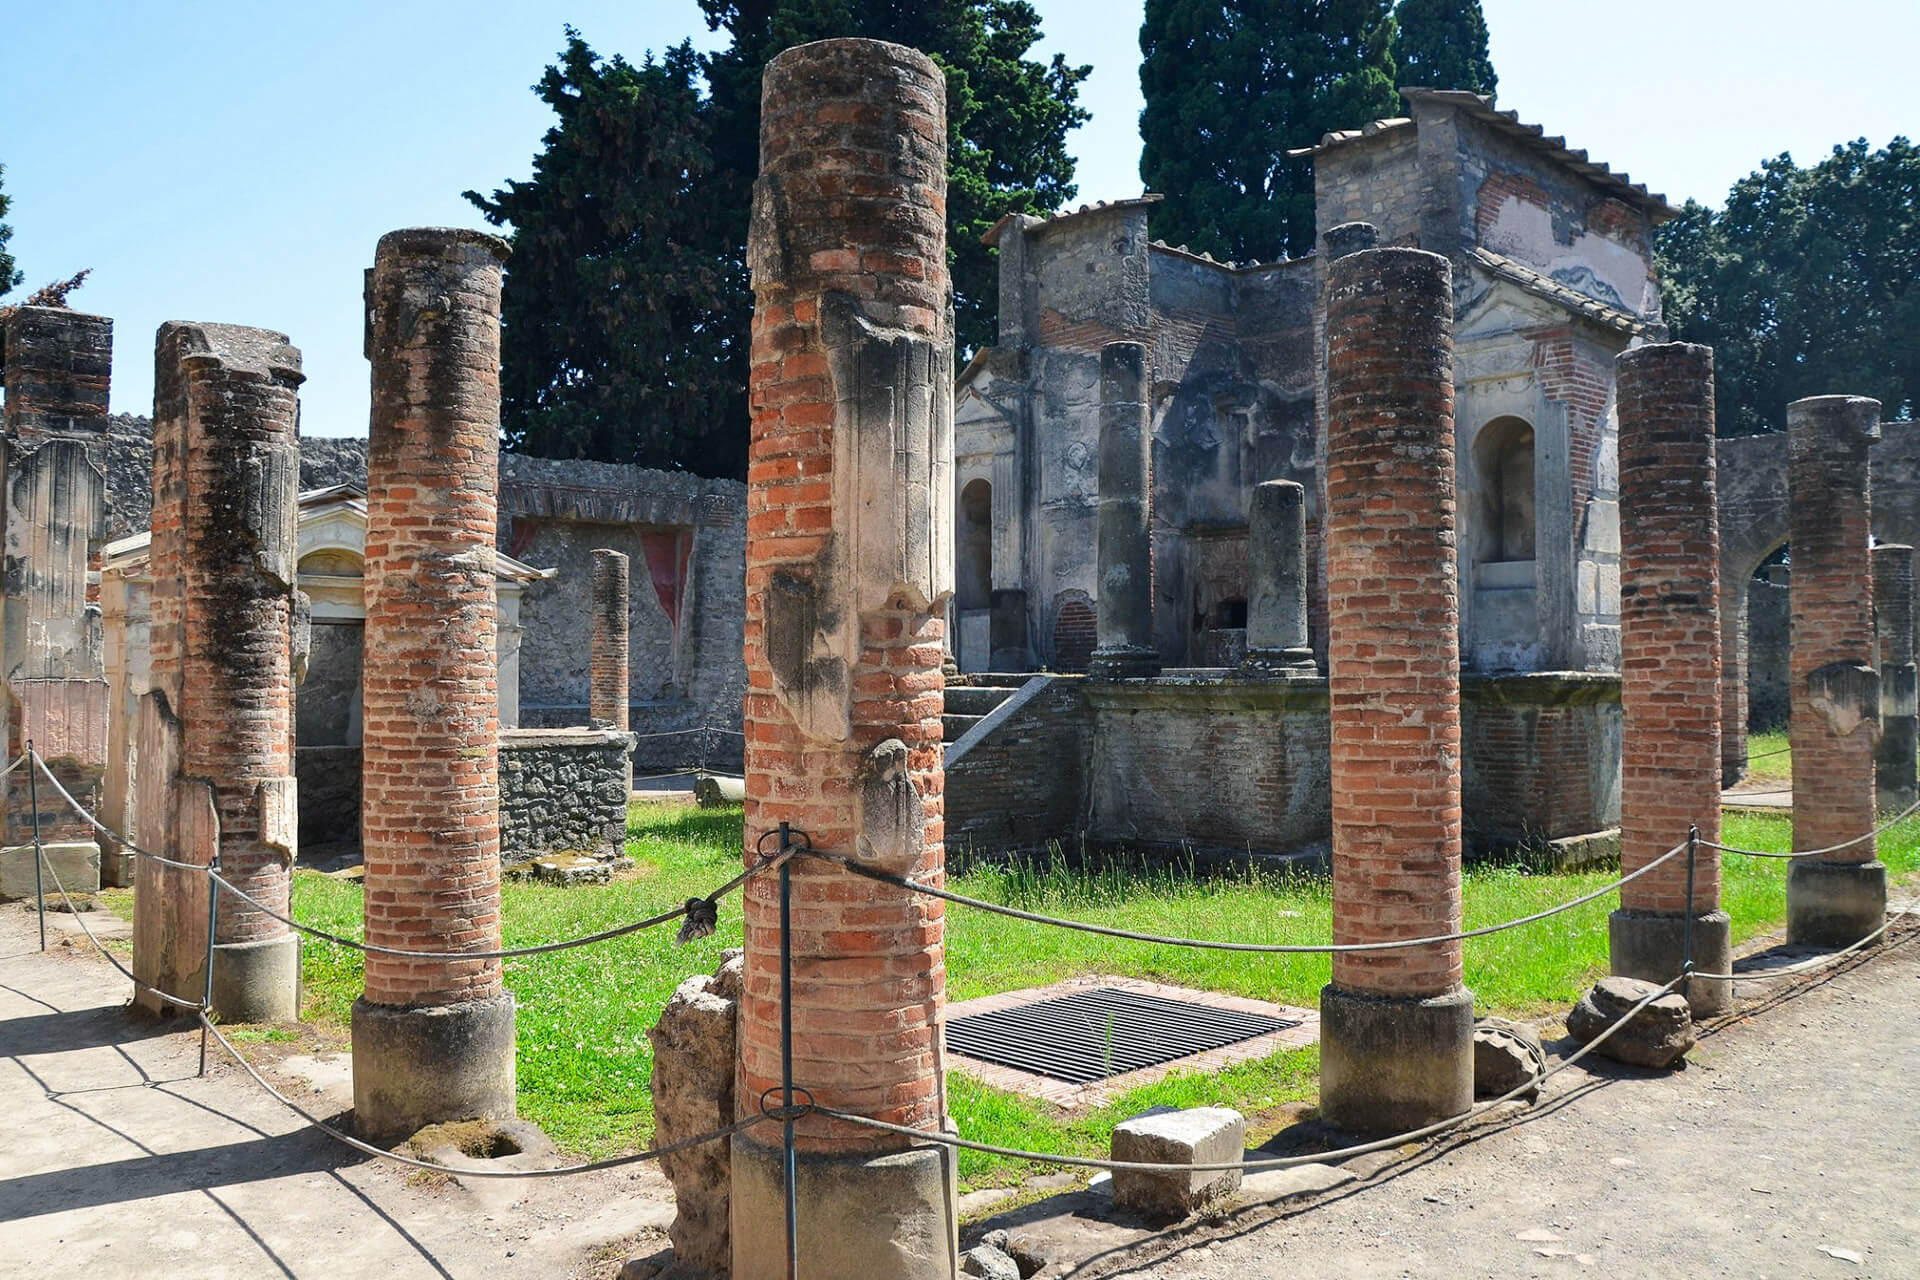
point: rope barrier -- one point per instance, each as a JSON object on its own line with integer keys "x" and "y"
{"x": 1890, "y": 823}
{"x": 1805, "y": 966}
{"x": 102, "y": 828}
{"x": 1268, "y": 948}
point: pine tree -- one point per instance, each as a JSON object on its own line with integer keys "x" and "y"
{"x": 1442, "y": 44}
{"x": 1231, "y": 86}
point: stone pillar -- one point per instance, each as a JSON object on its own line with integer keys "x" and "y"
{"x": 432, "y": 1040}
{"x": 1277, "y": 579}
{"x": 1837, "y": 899}
{"x": 1670, "y": 670}
{"x": 226, "y": 481}
{"x": 54, "y": 521}
{"x": 1897, "y": 788}
{"x": 607, "y": 643}
{"x": 1396, "y": 1033}
{"x": 849, "y": 570}
{"x": 1124, "y": 535}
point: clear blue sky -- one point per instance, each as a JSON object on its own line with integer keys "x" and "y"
{"x": 236, "y": 162}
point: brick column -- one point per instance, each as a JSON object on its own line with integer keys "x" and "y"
{"x": 1124, "y": 534}
{"x": 607, "y": 643}
{"x": 1896, "y": 786}
{"x": 432, "y": 1040}
{"x": 1396, "y": 1036}
{"x": 849, "y": 570}
{"x": 1670, "y": 670}
{"x": 226, "y": 481}
{"x": 1277, "y": 580}
{"x": 1837, "y": 899}
{"x": 53, "y": 522}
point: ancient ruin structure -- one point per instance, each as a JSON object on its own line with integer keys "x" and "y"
{"x": 1124, "y": 534}
{"x": 1896, "y": 787}
{"x": 607, "y": 642}
{"x": 1277, "y": 579}
{"x": 849, "y": 564}
{"x": 1670, "y": 673}
{"x": 432, "y": 1039}
{"x": 1841, "y": 896}
{"x": 215, "y": 726}
{"x": 58, "y": 364}
{"x": 1396, "y": 1027}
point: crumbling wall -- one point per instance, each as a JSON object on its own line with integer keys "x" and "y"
{"x": 1018, "y": 781}
{"x": 562, "y": 791}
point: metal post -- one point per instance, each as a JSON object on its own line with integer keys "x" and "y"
{"x": 39, "y": 854}
{"x": 1686, "y": 934}
{"x": 213, "y": 919}
{"x": 786, "y": 1046}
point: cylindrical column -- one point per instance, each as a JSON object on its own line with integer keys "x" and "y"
{"x": 432, "y": 1039}
{"x": 1277, "y": 579}
{"x": 849, "y": 569}
{"x": 1123, "y": 546}
{"x": 1670, "y": 671}
{"x": 1396, "y": 1031}
{"x": 1840, "y": 897}
{"x": 607, "y": 644}
{"x": 1897, "y": 787}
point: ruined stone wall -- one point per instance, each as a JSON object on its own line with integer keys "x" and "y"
{"x": 1541, "y": 757}
{"x": 562, "y": 791}
{"x": 1022, "y": 784}
{"x": 1768, "y": 696}
{"x": 1377, "y": 182}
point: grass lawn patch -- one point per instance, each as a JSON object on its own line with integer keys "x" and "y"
{"x": 584, "y": 1063}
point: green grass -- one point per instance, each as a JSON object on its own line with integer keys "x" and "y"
{"x": 1769, "y": 757}
{"x": 583, "y": 1058}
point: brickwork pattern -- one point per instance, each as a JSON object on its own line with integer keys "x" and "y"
{"x": 1832, "y": 729}
{"x": 430, "y": 757}
{"x": 1527, "y": 764}
{"x": 1670, "y": 625}
{"x": 1893, "y": 603}
{"x": 1393, "y": 620}
{"x": 59, "y": 364}
{"x": 607, "y": 640}
{"x": 851, "y": 202}
{"x": 226, "y": 476}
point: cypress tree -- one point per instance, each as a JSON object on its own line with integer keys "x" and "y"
{"x": 1442, "y": 44}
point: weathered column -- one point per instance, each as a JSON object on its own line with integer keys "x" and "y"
{"x": 226, "y": 480}
{"x": 1396, "y": 1033}
{"x": 1841, "y": 897}
{"x": 432, "y": 1039}
{"x": 607, "y": 642}
{"x": 1670, "y": 671}
{"x": 58, "y": 364}
{"x": 1277, "y": 579}
{"x": 1897, "y": 788}
{"x": 849, "y": 569}
{"x": 1123, "y": 546}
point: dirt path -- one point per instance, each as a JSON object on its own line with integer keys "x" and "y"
{"x": 119, "y": 1161}
{"x": 1791, "y": 1132}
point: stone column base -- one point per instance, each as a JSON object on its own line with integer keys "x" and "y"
{"x": 1653, "y": 948}
{"x": 257, "y": 981}
{"x": 1269, "y": 664}
{"x": 1390, "y": 1064}
{"x": 876, "y": 1217}
{"x": 429, "y": 1064}
{"x": 1124, "y": 662}
{"x": 1835, "y": 904}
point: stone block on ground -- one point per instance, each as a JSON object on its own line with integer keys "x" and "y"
{"x": 1658, "y": 1036}
{"x": 1506, "y": 1055}
{"x": 75, "y": 862}
{"x": 715, "y": 793}
{"x": 692, "y": 1088}
{"x": 989, "y": 1263}
{"x": 1201, "y": 1135}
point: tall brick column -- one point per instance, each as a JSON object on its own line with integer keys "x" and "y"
{"x": 607, "y": 640}
{"x": 1123, "y": 545}
{"x": 226, "y": 481}
{"x": 1896, "y": 787}
{"x": 1277, "y": 579}
{"x": 849, "y": 569}
{"x": 432, "y": 1040}
{"x": 53, "y": 522}
{"x": 1835, "y": 718}
{"x": 1670, "y": 670}
{"x": 1396, "y": 1034}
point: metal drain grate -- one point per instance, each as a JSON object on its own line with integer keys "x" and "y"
{"x": 1101, "y": 1032}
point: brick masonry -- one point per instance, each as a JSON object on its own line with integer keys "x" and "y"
{"x": 607, "y": 642}
{"x": 430, "y": 815}
{"x": 1893, "y": 627}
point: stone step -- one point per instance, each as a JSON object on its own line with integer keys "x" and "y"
{"x": 975, "y": 700}
{"x": 953, "y": 726}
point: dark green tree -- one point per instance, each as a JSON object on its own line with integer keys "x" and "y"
{"x": 623, "y": 321}
{"x": 1806, "y": 283}
{"x": 9, "y": 274}
{"x": 1231, "y": 86}
{"x": 1442, "y": 44}
{"x": 1008, "y": 115}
